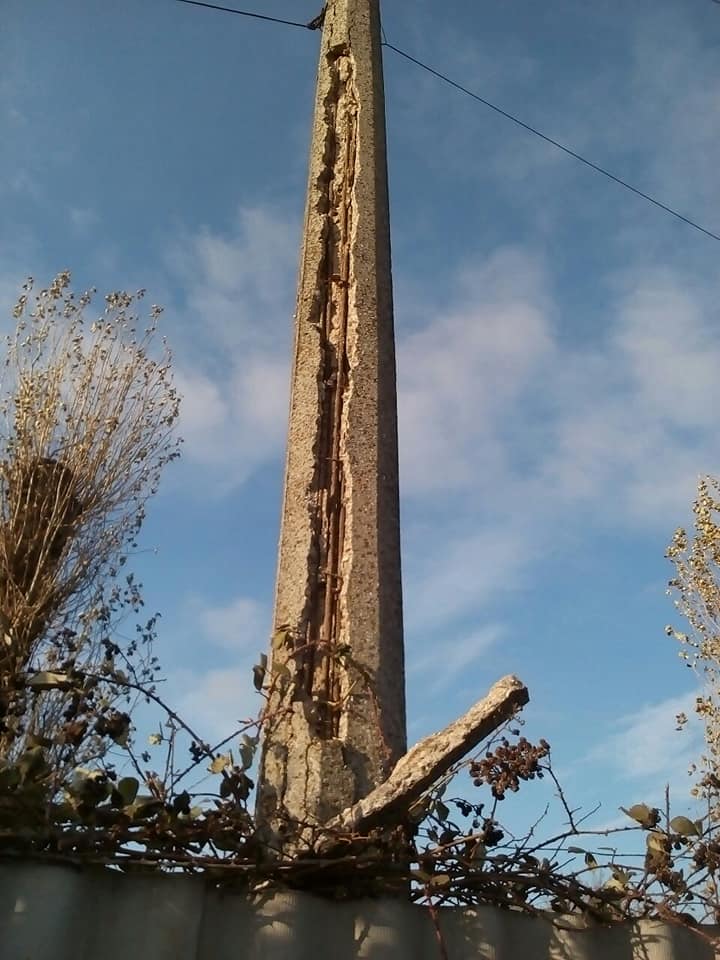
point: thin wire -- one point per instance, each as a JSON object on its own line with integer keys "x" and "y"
{"x": 316, "y": 23}
{"x": 554, "y": 143}
{"x": 245, "y": 13}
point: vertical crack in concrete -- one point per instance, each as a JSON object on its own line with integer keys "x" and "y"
{"x": 324, "y": 621}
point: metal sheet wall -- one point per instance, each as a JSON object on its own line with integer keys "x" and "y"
{"x": 62, "y": 913}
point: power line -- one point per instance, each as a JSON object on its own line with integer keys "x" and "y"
{"x": 313, "y": 25}
{"x": 317, "y": 22}
{"x": 554, "y": 143}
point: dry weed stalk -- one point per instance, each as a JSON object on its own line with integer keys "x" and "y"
{"x": 87, "y": 420}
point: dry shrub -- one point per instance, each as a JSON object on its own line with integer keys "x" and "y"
{"x": 87, "y": 420}
{"x": 696, "y": 586}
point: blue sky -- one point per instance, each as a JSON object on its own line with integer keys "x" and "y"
{"x": 558, "y": 337}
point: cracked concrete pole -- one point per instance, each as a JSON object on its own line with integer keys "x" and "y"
{"x": 335, "y": 719}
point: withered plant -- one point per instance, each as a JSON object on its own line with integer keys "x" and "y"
{"x": 87, "y": 416}
{"x": 696, "y": 587}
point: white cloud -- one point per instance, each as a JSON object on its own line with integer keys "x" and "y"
{"x": 462, "y": 574}
{"x": 237, "y": 286}
{"x": 671, "y": 350}
{"x": 238, "y": 626}
{"x": 496, "y": 404}
{"x": 218, "y": 701}
{"x": 261, "y": 390}
{"x": 510, "y": 431}
{"x": 23, "y": 183}
{"x": 634, "y": 440}
{"x": 679, "y": 108}
{"x": 17, "y": 116}
{"x": 82, "y": 218}
{"x": 215, "y": 701}
{"x": 646, "y": 745}
{"x": 233, "y": 425}
{"x": 462, "y": 376}
{"x": 443, "y": 662}
{"x": 233, "y": 344}
{"x": 204, "y": 412}
{"x": 638, "y": 111}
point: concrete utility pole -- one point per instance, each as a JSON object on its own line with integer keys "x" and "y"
{"x": 335, "y": 721}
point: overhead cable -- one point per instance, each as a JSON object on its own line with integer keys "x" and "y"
{"x": 317, "y": 22}
{"x": 555, "y": 143}
{"x": 314, "y": 24}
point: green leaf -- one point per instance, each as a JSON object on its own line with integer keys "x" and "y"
{"x": 247, "y": 755}
{"x": 258, "y": 677}
{"x": 575, "y": 850}
{"x": 243, "y": 786}
{"x": 155, "y": 739}
{"x": 128, "y": 788}
{"x": 590, "y": 861}
{"x": 684, "y": 826}
{"x": 441, "y": 810}
{"x": 259, "y": 671}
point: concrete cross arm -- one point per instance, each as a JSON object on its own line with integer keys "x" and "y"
{"x": 431, "y": 758}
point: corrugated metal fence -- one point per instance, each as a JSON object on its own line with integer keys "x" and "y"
{"x": 62, "y": 913}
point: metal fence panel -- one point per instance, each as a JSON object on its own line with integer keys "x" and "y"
{"x": 52, "y": 912}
